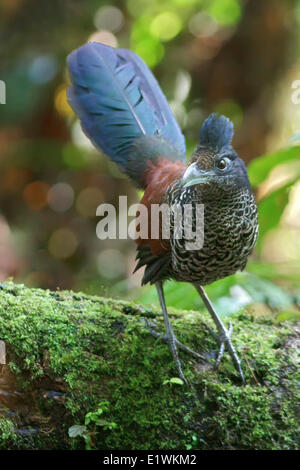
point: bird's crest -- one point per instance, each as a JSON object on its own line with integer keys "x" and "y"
{"x": 216, "y": 131}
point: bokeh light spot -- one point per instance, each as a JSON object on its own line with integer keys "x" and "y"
{"x": 225, "y": 12}
{"x": 105, "y": 37}
{"x": 43, "y": 69}
{"x": 14, "y": 179}
{"x": 36, "y": 279}
{"x": 110, "y": 18}
{"x": 62, "y": 243}
{"x": 203, "y": 25}
{"x": 195, "y": 119}
{"x": 183, "y": 84}
{"x": 179, "y": 112}
{"x": 60, "y": 197}
{"x": 150, "y": 50}
{"x": 111, "y": 264}
{"x": 166, "y": 26}
{"x": 73, "y": 157}
{"x": 188, "y": 3}
{"x": 35, "y": 195}
{"x": 137, "y": 8}
{"x": 231, "y": 109}
{"x": 88, "y": 200}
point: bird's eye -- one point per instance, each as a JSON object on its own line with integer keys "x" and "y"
{"x": 222, "y": 164}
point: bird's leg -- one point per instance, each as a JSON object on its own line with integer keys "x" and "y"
{"x": 170, "y": 336}
{"x": 224, "y": 336}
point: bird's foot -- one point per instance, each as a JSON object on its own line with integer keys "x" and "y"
{"x": 174, "y": 345}
{"x": 224, "y": 340}
{"x": 151, "y": 327}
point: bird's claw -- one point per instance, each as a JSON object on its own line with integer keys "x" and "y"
{"x": 151, "y": 327}
{"x": 174, "y": 345}
{"x": 221, "y": 339}
{"x": 224, "y": 340}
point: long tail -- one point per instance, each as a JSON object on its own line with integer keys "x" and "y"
{"x": 122, "y": 108}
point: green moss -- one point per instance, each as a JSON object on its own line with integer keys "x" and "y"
{"x": 7, "y": 434}
{"x": 73, "y": 355}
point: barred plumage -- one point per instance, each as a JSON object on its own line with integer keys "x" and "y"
{"x": 230, "y": 232}
{"x": 230, "y": 229}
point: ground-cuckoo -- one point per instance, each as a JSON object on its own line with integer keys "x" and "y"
{"x": 125, "y": 114}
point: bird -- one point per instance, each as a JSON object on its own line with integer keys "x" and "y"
{"x": 125, "y": 114}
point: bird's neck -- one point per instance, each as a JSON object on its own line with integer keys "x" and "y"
{"x": 212, "y": 196}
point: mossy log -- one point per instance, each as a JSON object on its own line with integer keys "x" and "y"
{"x": 84, "y": 372}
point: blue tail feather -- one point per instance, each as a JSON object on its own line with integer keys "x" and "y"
{"x": 118, "y": 101}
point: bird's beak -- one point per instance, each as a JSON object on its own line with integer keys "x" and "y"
{"x": 193, "y": 175}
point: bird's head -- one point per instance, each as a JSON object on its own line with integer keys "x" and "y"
{"x": 215, "y": 166}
